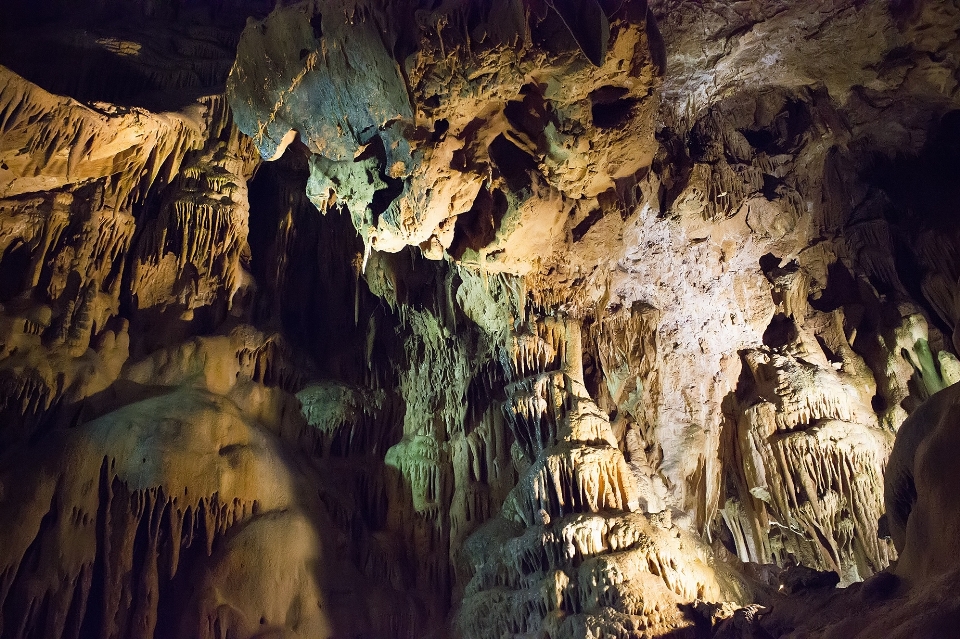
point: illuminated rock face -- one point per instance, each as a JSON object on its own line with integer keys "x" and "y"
{"x": 460, "y": 128}
{"x": 571, "y": 549}
{"x": 476, "y": 319}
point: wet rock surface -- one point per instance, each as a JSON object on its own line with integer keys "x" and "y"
{"x": 478, "y": 319}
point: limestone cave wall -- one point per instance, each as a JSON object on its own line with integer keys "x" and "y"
{"x": 508, "y": 318}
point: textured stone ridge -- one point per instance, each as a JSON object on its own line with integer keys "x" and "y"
{"x": 513, "y": 318}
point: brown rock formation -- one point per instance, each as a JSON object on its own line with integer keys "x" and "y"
{"x": 510, "y": 318}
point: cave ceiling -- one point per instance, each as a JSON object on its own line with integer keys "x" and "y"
{"x": 500, "y": 318}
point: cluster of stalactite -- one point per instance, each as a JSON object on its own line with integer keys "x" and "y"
{"x": 811, "y": 431}
{"x": 69, "y": 220}
{"x": 191, "y": 252}
{"x": 133, "y": 541}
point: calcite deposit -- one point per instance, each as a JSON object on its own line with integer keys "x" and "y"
{"x": 479, "y": 319}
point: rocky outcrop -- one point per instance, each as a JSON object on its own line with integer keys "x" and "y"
{"x": 453, "y": 128}
{"x": 418, "y": 319}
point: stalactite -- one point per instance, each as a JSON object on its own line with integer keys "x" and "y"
{"x": 133, "y": 575}
{"x": 871, "y": 243}
{"x": 812, "y": 461}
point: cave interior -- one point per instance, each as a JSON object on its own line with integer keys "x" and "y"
{"x": 472, "y": 319}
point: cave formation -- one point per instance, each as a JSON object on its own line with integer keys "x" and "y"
{"x": 479, "y": 318}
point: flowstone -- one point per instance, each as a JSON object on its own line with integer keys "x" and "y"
{"x": 570, "y": 552}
